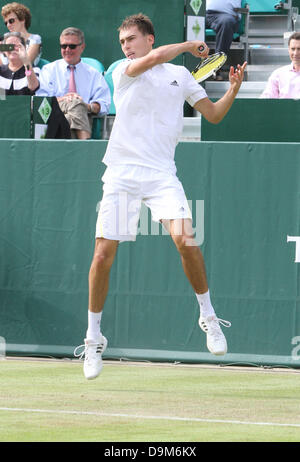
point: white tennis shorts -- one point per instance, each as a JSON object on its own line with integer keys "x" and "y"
{"x": 126, "y": 188}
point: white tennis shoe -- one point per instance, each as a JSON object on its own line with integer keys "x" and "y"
{"x": 215, "y": 339}
{"x": 92, "y": 354}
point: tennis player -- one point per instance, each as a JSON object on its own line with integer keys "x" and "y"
{"x": 149, "y": 94}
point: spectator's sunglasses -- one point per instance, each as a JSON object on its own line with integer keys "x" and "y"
{"x": 10, "y": 21}
{"x": 72, "y": 46}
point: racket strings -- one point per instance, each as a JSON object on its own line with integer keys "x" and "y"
{"x": 213, "y": 60}
{"x": 209, "y": 66}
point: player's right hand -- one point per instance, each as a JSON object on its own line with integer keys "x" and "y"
{"x": 199, "y": 49}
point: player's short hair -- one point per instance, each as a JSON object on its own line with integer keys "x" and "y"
{"x": 143, "y": 23}
{"x": 21, "y": 11}
{"x": 294, "y": 36}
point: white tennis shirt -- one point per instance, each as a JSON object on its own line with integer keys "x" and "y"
{"x": 149, "y": 115}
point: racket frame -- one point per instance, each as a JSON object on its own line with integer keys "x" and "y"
{"x": 208, "y": 60}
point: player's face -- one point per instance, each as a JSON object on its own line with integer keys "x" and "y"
{"x": 134, "y": 44}
{"x": 294, "y": 51}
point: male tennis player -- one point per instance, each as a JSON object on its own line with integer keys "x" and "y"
{"x": 149, "y": 94}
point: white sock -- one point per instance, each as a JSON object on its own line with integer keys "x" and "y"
{"x": 206, "y": 308}
{"x": 94, "y": 323}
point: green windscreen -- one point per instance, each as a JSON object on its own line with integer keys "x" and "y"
{"x": 245, "y": 203}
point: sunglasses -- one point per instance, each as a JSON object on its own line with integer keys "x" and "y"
{"x": 10, "y": 21}
{"x": 72, "y": 46}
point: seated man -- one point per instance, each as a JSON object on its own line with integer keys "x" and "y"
{"x": 18, "y": 77}
{"x": 222, "y": 18}
{"x": 284, "y": 82}
{"x": 80, "y": 89}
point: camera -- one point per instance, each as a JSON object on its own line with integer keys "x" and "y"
{"x": 7, "y": 46}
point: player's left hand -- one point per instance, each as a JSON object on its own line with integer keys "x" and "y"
{"x": 236, "y": 76}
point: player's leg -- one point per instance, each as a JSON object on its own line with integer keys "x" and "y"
{"x": 191, "y": 256}
{"x": 194, "y": 268}
{"x": 95, "y": 343}
{"x": 104, "y": 254}
{"x": 117, "y": 221}
{"x": 167, "y": 201}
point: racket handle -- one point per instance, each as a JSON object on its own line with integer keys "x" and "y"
{"x": 201, "y": 48}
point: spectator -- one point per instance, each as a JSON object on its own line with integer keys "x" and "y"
{"x": 223, "y": 19}
{"x": 17, "y": 18}
{"x": 80, "y": 89}
{"x": 284, "y": 82}
{"x": 18, "y": 77}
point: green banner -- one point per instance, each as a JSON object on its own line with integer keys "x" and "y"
{"x": 252, "y": 119}
{"x": 245, "y": 202}
{"x": 15, "y": 116}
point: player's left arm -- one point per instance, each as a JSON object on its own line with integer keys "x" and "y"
{"x": 215, "y": 112}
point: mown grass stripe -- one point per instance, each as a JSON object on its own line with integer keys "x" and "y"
{"x": 147, "y": 417}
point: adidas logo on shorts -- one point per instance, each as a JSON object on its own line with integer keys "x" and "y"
{"x": 174, "y": 83}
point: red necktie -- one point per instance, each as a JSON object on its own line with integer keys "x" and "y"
{"x": 72, "y": 85}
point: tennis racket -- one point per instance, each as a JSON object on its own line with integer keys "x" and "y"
{"x": 208, "y": 66}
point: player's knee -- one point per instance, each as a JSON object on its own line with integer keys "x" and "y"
{"x": 103, "y": 258}
{"x": 185, "y": 244}
{"x": 102, "y": 262}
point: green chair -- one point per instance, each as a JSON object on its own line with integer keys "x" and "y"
{"x": 42, "y": 63}
{"x": 268, "y": 6}
{"x": 274, "y": 10}
{"x": 109, "y": 81}
{"x": 94, "y": 63}
{"x": 96, "y": 129}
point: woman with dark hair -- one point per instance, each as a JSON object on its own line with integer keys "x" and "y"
{"x": 17, "y": 18}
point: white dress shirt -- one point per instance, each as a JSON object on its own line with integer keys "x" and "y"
{"x": 90, "y": 83}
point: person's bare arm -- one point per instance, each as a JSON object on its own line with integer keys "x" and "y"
{"x": 32, "y": 80}
{"x": 33, "y": 51}
{"x": 165, "y": 54}
{"x": 215, "y": 112}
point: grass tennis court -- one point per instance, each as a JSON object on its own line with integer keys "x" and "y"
{"x": 50, "y": 401}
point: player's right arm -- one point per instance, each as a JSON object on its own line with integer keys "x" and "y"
{"x": 164, "y": 54}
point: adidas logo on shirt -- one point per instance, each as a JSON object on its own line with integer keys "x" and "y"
{"x": 174, "y": 83}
